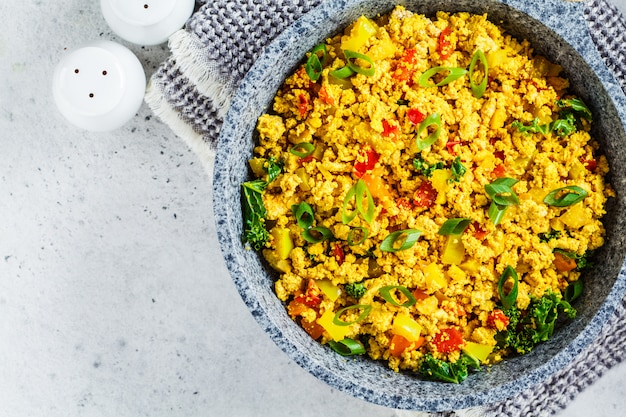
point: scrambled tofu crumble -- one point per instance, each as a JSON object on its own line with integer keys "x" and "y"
{"x": 427, "y": 185}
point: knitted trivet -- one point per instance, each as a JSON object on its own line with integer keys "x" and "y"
{"x": 192, "y": 89}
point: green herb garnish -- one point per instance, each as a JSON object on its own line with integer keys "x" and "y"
{"x": 565, "y": 196}
{"x": 404, "y": 238}
{"x": 366, "y": 309}
{"x": 439, "y": 370}
{"x": 386, "y": 293}
{"x": 347, "y": 347}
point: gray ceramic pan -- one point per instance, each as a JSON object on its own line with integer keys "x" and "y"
{"x": 556, "y": 29}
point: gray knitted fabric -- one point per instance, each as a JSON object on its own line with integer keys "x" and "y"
{"x": 191, "y": 92}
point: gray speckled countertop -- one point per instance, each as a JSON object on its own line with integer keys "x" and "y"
{"x": 114, "y": 298}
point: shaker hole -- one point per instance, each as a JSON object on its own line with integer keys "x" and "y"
{"x": 145, "y": 6}
{"x": 76, "y": 71}
{"x": 90, "y": 95}
{"x": 104, "y": 72}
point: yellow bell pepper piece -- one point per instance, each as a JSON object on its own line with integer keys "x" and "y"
{"x": 282, "y": 242}
{"x": 329, "y": 289}
{"x": 336, "y": 332}
{"x": 439, "y": 180}
{"x": 454, "y": 251}
{"x": 405, "y": 326}
{"x": 304, "y": 176}
{"x": 361, "y": 31}
{"x": 576, "y": 216}
{"x": 257, "y": 165}
{"x": 477, "y": 350}
{"x": 434, "y": 277}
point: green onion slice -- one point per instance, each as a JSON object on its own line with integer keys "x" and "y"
{"x": 342, "y": 73}
{"x": 573, "y": 291}
{"x": 347, "y": 347}
{"x": 303, "y": 214}
{"x": 303, "y": 149}
{"x": 314, "y": 65}
{"x": 454, "y": 226}
{"x": 352, "y": 56}
{"x": 508, "y": 300}
{"x": 317, "y": 234}
{"x": 406, "y": 239}
{"x": 496, "y": 213}
{"x": 362, "y": 195}
{"x": 432, "y": 120}
{"x": 361, "y": 234}
{"x": 501, "y": 193}
{"x": 386, "y": 293}
{"x": 478, "y": 89}
{"x": 453, "y": 74}
{"x": 346, "y": 215}
{"x": 565, "y": 196}
{"x": 366, "y": 309}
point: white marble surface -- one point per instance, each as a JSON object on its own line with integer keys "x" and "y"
{"x": 114, "y": 299}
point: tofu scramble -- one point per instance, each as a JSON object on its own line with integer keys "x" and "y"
{"x": 428, "y": 192}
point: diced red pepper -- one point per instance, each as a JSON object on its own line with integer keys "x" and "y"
{"x": 388, "y": 128}
{"x": 306, "y": 159}
{"x": 443, "y": 44}
{"x": 451, "y": 144}
{"x": 303, "y": 105}
{"x": 479, "y": 232}
{"x": 497, "y": 320}
{"x": 420, "y": 295}
{"x": 325, "y": 97}
{"x": 405, "y": 70}
{"x": 499, "y": 171}
{"x": 425, "y": 196}
{"x": 590, "y": 164}
{"x": 312, "y": 297}
{"x": 367, "y": 160}
{"x": 415, "y": 116}
{"x": 338, "y": 253}
{"x": 499, "y": 155}
{"x": 448, "y": 340}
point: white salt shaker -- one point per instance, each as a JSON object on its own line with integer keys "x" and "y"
{"x": 100, "y": 86}
{"x": 146, "y": 22}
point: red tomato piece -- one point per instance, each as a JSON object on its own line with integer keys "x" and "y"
{"x": 479, "y": 232}
{"x": 415, "y": 116}
{"x": 388, "y": 128}
{"x": 451, "y": 144}
{"x": 563, "y": 263}
{"x": 325, "y": 97}
{"x": 497, "y": 320}
{"x": 590, "y": 164}
{"x": 303, "y": 105}
{"x": 499, "y": 155}
{"x": 338, "y": 253}
{"x": 312, "y": 297}
{"x": 443, "y": 44}
{"x": 420, "y": 295}
{"x": 448, "y": 340}
{"x": 425, "y": 195}
{"x": 499, "y": 171}
{"x": 399, "y": 344}
{"x": 367, "y": 160}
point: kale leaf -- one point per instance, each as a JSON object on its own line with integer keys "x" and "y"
{"x": 455, "y": 372}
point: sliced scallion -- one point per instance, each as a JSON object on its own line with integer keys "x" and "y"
{"x": 432, "y": 120}
{"x": 347, "y": 347}
{"x": 361, "y": 235}
{"x": 501, "y": 193}
{"x": 573, "y": 291}
{"x": 365, "y": 311}
{"x": 342, "y": 73}
{"x": 352, "y": 56}
{"x": 454, "y": 226}
{"x": 565, "y": 196}
{"x": 387, "y": 293}
{"x": 317, "y": 234}
{"x": 346, "y": 215}
{"x": 453, "y": 74}
{"x": 496, "y": 213}
{"x": 478, "y": 89}
{"x": 303, "y": 214}
{"x": 302, "y": 149}
{"x": 508, "y": 298}
{"x": 314, "y": 65}
{"x": 362, "y": 195}
{"x": 404, "y": 238}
